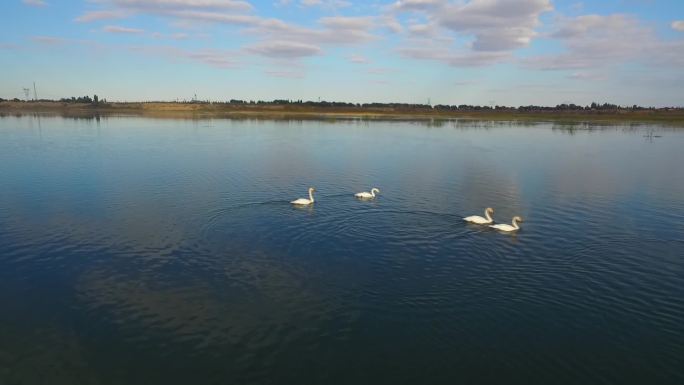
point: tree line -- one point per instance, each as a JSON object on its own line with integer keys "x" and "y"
{"x": 83, "y": 99}
{"x": 443, "y": 107}
{"x": 95, "y": 100}
{"x": 74, "y": 99}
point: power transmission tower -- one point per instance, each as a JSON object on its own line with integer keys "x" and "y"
{"x": 35, "y": 93}
{"x": 26, "y": 93}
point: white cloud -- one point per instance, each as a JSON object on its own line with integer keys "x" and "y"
{"x": 417, "y": 5}
{"x": 215, "y": 58}
{"x": 274, "y": 37}
{"x": 123, "y": 30}
{"x": 214, "y": 17}
{"x": 101, "y": 15}
{"x": 35, "y": 3}
{"x": 586, "y": 76}
{"x": 678, "y": 25}
{"x": 330, "y": 5}
{"x": 497, "y": 25}
{"x": 220, "y": 11}
{"x": 285, "y": 74}
{"x": 172, "y": 36}
{"x": 472, "y": 33}
{"x": 48, "y": 40}
{"x": 597, "y": 41}
{"x": 335, "y": 31}
{"x": 237, "y": 5}
{"x": 341, "y": 22}
{"x": 422, "y": 29}
{"x": 358, "y": 59}
{"x": 326, "y": 4}
{"x": 455, "y": 58}
{"x": 284, "y": 49}
{"x": 461, "y": 33}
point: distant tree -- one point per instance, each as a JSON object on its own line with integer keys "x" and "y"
{"x": 96, "y": 100}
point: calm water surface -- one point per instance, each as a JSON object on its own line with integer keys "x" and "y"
{"x": 140, "y": 251}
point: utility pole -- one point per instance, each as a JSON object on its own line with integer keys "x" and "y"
{"x": 26, "y": 93}
{"x": 35, "y": 93}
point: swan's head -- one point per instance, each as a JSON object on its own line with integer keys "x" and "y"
{"x": 518, "y": 219}
{"x": 489, "y": 210}
{"x": 377, "y": 190}
{"x": 311, "y": 189}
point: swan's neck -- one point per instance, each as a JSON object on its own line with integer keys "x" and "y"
{"x": 311, "y": 196}
{"x": 515, "y": 224}
{"x": 489, "y": 218}
{"x": 373, "y": 193}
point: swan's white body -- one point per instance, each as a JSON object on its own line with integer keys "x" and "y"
{"x": 304, "y": 201}
{"x": 367, "y": 195}
{"x": 508, "y": 228}
{"x": 479, "y": 220}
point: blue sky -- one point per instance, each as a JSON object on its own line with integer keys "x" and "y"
{"x": 507, "y": 52}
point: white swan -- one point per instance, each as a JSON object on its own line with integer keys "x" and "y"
{"x": 367, "y": 195}
{"x": 304, "y": 201}
{"x": 508, "y": 228}
{"x": 479, "y": 220}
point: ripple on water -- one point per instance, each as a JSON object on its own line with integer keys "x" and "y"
{"x": 187, "y": 256}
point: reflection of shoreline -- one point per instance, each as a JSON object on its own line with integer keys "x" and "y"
{"x": 290, "y": 112}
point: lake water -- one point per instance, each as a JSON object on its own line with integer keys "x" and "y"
{"x": 153, "y": 251}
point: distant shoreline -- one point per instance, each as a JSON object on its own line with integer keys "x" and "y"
{"x": 293, "y": 111}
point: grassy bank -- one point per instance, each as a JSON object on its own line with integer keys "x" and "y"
{"x": 274, "y": 111}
